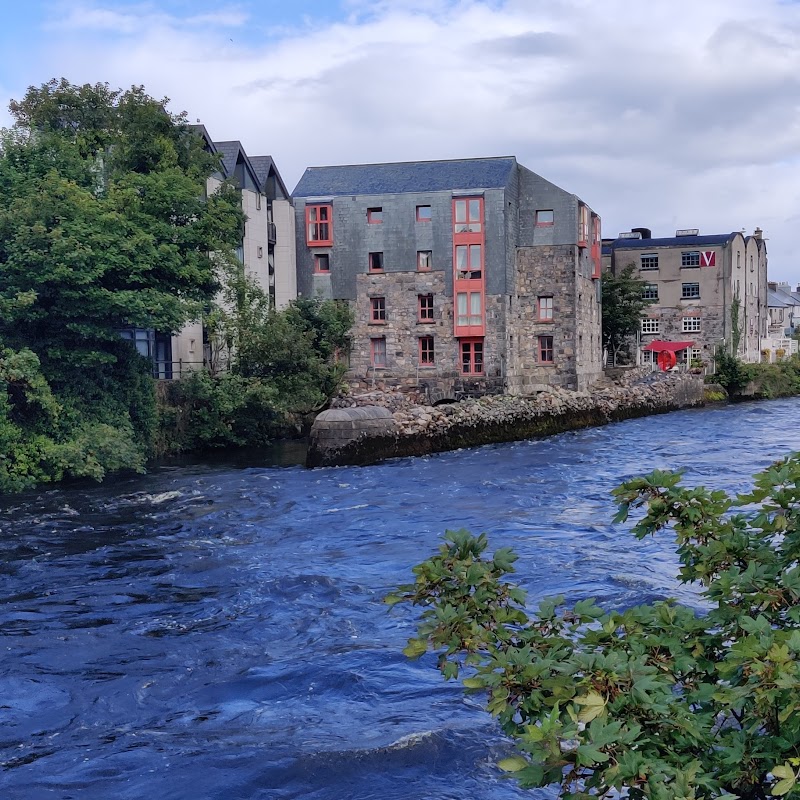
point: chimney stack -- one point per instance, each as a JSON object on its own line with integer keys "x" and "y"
{"x": 758, "y": 233}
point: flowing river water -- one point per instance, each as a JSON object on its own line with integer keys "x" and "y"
{"x": 217, "y": 632}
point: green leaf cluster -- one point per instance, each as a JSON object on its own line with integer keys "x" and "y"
{"x": 654, "y": 701}
{"x": 623, "y": 306}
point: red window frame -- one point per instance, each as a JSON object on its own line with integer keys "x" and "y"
{"x": 425, "y": 308}
{"x": 471, "y": 356}
{"x": 375, "y": 261}
{"x": 321, "y": 224}
{"x": 473, "y": 216}
{"x": 471, "y": 266}
{"x": 375, "y": 215}
{"x": 377, "y": 313}
{"x": 597, "y": 242}
{"x": 583, "y": 226}
{"x": 319, "y": 260}
{"x": 427, "y": 218}
{"x": 544, "y": 309}
{"x": 377, "y": 352}
{"x": 424, "y": 260}
{"x": 427, "y": 355}
{"x": 546, "y": 350}
{"x": 540, "y": 223}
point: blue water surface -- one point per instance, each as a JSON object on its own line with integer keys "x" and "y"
{"x": 218, "y": 632}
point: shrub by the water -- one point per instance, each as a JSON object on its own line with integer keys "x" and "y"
{"x": 656, "y": 701}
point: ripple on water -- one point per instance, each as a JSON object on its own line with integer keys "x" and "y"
{"x": 219, "y": 629}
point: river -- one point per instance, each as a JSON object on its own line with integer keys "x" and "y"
{"x": 218, "y": 633}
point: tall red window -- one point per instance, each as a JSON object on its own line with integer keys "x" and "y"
{"x": 319, "y": 225}
{"x": 469, "y": 261}
{"x": 597, "y": 253}
{"x": 545, "y": 309}
{"x": 425, "y": 307}
{"x": 426, "y": 355}
{"x": 468, "y": 267}
{"x": 378, "y": 352}
{"x": 468, "y": 215}
{"x": 377, "y": 309}
{"x": 546, "y": 349}
{"x": 471, "y": 356}
{"x": 583, "y": 226}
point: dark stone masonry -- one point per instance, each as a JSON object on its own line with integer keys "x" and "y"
{"x": 390, "y": 426}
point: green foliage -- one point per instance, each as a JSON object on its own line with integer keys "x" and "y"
{"x": 655, "y": 701}
{"x": 623, "y": 305}
{"x": 104, "y": 225}
{"x": 730, "y": 372}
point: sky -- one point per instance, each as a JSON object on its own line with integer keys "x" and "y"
{"x": 664, "y": 114}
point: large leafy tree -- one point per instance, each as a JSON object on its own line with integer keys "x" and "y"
{"x": 623, "y": 304}
{"x": 655, "y": 701}
{"x": 105, "y": 224}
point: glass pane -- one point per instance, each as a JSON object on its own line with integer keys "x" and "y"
{"x": 461, "y": 258}
{"x": 475, "y": 257}
{"x": 474, "y": 210}
{"x": 312, "y": 214}
{"x": 463, "y": 317}
{"x": 323, "y": 213}
{"x": 466, "y": 360}
{"x": 478, "y": 356}
{"x": 475, "y": 303}
{"x": 461, "y": 210}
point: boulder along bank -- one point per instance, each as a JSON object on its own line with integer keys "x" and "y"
{"x": 377, "y": 426}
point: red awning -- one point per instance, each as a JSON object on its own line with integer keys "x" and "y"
{"x": 658, "y": 346}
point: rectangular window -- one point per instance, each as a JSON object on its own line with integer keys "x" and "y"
{"x": 322, "y": 263}
{"x": 319, "y": 230}
{"x": 690, "y": 258}
{"x": 468, "y": 261}
{"x": 544, "y": 217}
{"x": 649, "y": 261}
{"x": 378, "y": 352}
{"x": 691, "y": 324}
{"x": 424, "y": 214}
{"x": 469, "y": 308}
{"x": 425, "y": 307}
{"x": 375, "y": 215}
{"x": 467, "y": 215}
{"x": 426, "y": 355}
{"x": 378, "y": 309}
{"x": 583, "y": 228}
{"x": 545, "y": 309}
{"x": 650, "y": 326}
{"x": 376, "y": 262}
{"x": 472, "y": 357}
{"x": 650, "y": 291}
{"x": 696, "y": 354}
{"x": 546, "y": 349}
{"x": 690, "y": 290}
{"x": 424, "y": 260}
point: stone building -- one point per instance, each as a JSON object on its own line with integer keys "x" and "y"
{"x": 266, "y": 250}
{"x": 467, "y": 277}
{"x": 695, "y": 282}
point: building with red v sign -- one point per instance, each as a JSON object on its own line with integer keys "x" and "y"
{"x": 705, "y": 290}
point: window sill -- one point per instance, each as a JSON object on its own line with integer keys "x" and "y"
{"x": 427, "y": 366}
{"x": 376, "y": 272}
{"x": 426, "y": 322}
{"x": 549, "y": 321}
{"x": 377, "y": 322}
{"x": 320, "y": 244}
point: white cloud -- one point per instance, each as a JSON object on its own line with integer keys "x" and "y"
{"x": 663, "y": 114}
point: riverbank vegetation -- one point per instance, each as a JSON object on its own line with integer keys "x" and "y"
{"x": 653, "y": 701}
{"x": 780, "y": 379}
{"x": 106, "y": 228}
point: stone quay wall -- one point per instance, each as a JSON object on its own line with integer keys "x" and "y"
{"x": 340, "y": 436}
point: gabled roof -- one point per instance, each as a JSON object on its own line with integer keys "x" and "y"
{"x": 230, "y": 152}
{"x": 411, "y": 176}
{"x": 262, "y": 166}
{"x": 674, "y": 241}
{"x": 774, "y": 300}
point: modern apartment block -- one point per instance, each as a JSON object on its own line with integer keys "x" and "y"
{"x": 467, "y": 276}
{"x": 266, "y": 250}
{"x": 695, "y": 283}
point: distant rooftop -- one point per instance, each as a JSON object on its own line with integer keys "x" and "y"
{"x": 412, "y": 176}
{"x": 673, "y": 241}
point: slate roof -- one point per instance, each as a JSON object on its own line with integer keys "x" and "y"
{"x": 673, "y": 241}
{"x": 412, "y": 176}
{"x": 229, "y": 152}
{"x": 261, "y": 166}
{"x": 774, "y": 300}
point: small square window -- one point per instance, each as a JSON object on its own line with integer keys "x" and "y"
{"x": 426, "y": 353}
{"x": 424, "y": 260}
{"x": 690, "y": 291}
{"x": 424, "y": 214}
{"x": 691, "y": 324}
{"x": 377, "y": 309}
{"x": 425, "y": 307}
{"x": 650, "y": 326}
{"x": 546, "y": 349}
{"x": 376, "y": 262}
{"x": 691, "y": 259}
{"x": 378, "y": 352}
{"x": 544, "y": 217}
{"x": 649, "y": 260}
{"x": 650, "y": 291}
{"x": 545, "y": 309}
{"x": 375, "y": 215}
{"x": 322, "y": 263}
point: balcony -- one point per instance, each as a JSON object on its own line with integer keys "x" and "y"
{"x": 272, "y": 233}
